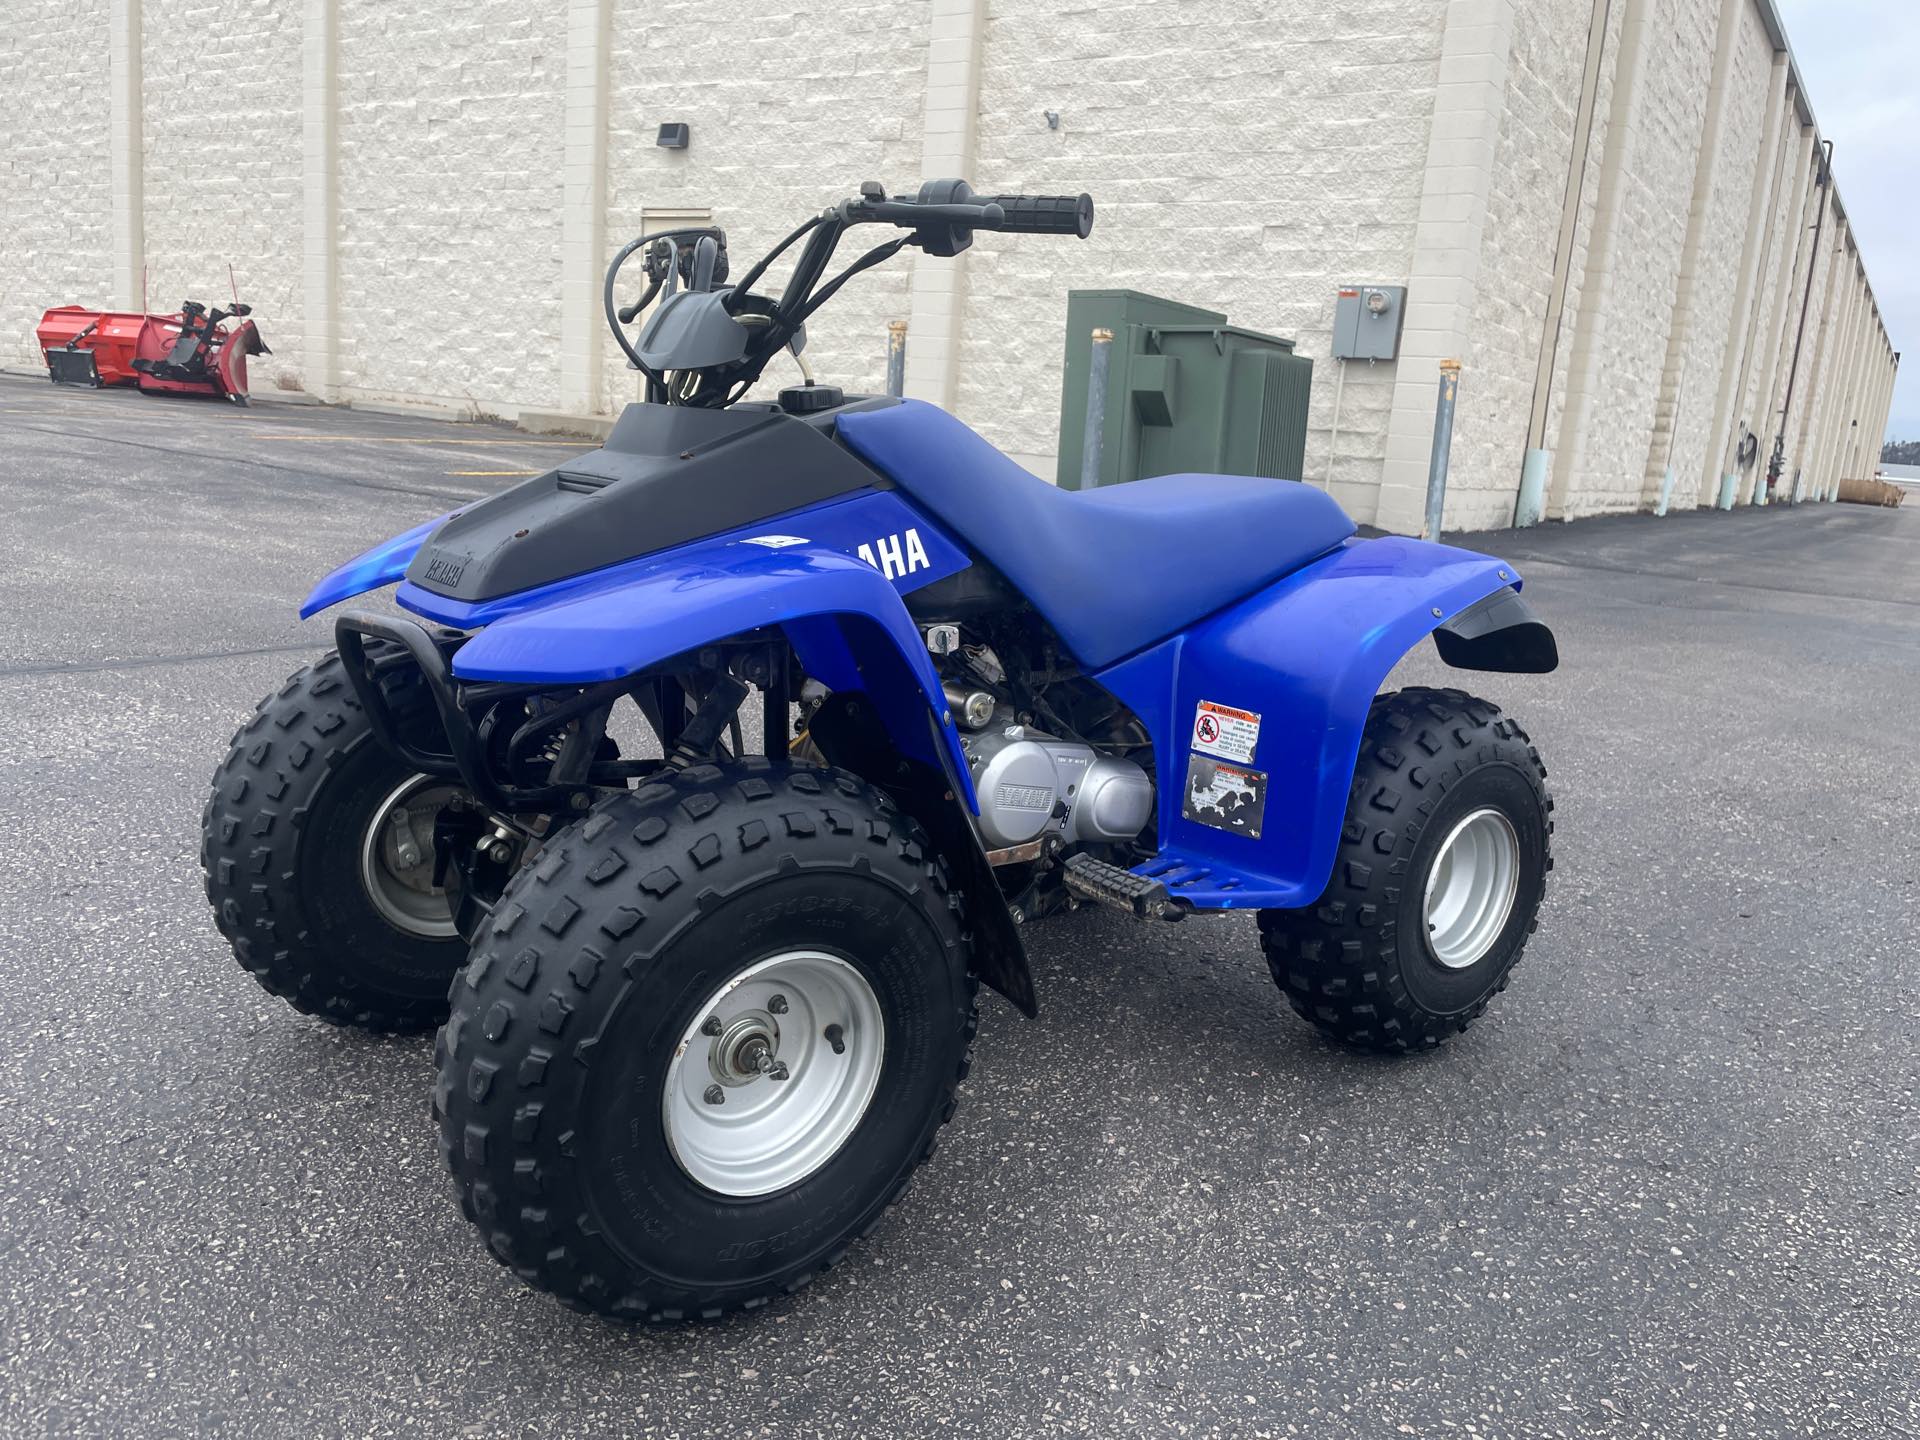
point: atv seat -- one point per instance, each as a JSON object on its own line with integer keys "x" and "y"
{"x": 1112, "y": 570}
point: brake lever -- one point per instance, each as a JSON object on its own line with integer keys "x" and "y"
{"x": 911, "y": 216}
{"x": 659, "y": 259}
{"x": 630, "y": 313}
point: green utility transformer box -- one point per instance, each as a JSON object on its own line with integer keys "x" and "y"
{"x": 1186, "y": 392}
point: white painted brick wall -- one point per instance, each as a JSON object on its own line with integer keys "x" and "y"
{"x": 449, "y": 243}
{"x": 1531, "y": 156}
{"x": 55, "y": 174}
{"x": 1795, "y": 300}
{"x": 1807, "y": 394}
{"x": 222, "y": 165}
{"x": 1791, "y": 212}
{"x": 1711, "y": 339}
{"x": 791, "y": 109}
{"x": 1246, "y": 158}
{"x": 1634, "y": 313}
{"x": 1577, "y": 297}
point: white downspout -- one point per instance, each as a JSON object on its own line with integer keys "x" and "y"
{"x": 937, "y": 292}
{"x": 126, "y": 161}
{"x": 1530, "y": 504}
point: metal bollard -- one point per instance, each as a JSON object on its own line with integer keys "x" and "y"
{"x": 896, "y": 358}
{"x": 1096, "y": 432}
{"x": 1442, "y": 447}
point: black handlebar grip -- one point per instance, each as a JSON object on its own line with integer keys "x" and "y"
{"x": 1043, "y": 214}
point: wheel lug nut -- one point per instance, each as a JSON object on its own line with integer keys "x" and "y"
{"x": 777, "y": 1005}
{"x": 837, "y": 1038}
{"x": 715, "y": 1095}
{"x": 711, "y": 1025}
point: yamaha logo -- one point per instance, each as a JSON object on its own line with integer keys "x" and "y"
{"x": 446, "y": 569}
{"x": 897, "y": 555}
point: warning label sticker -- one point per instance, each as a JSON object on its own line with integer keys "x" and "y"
{"x": 1225, "y": 796}
{"x": 1224, "y": 732}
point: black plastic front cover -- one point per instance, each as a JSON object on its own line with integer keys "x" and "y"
{"x": 667, "y": 475}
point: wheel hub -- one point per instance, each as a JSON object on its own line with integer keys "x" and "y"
{"x": 1471, "y": 888}
{"x": 773, "y": 1073}
{"x": 746, "y": 1049}
{"x": 397, "y": 858}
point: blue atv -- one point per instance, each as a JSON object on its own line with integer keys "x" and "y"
{"x": 698, "y": 784}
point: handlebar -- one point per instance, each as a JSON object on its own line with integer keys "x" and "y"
{"x": 942, "y": 217}
{"x": 911, "y": 214}
{"x": 1015, "y": 214}
{"x": 1040, "y": 214}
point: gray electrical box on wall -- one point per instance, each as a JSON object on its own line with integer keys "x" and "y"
{"x": 1367, "y": 320}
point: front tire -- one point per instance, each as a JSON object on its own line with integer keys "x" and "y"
{"x": 1438, "y": 880}
{"x": 678, "y": 944}
{"x": 325, "y": 903}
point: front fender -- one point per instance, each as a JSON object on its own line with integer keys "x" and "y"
{"x": 1304, "y": 659}
{"x": 372, "y": 569}
{"x": 849, "y": 628}
{"x": 844, "y": 619}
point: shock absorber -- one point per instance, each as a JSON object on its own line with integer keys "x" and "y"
{"x": 702, "y": 732}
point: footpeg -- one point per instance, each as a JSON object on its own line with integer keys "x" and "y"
{"x": 1089, "y": 879}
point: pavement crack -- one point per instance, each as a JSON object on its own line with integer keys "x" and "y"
{"x": 143, "y": 662}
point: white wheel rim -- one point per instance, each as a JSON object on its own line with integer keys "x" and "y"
{"x": 1471, "y": 888}
{"x": 765, "y": 1133}
{"x": 396, "y": 859}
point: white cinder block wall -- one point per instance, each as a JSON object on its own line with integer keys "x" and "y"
{"x": 448, "y": 247}
{"x": 1249, "y": 159}
{"x": 56, "y": 173}
{"x": 790, "y": 111}
{"x": 1527, "y": 192}
{"x": 418, "y": 199}
{"x": 221, "y": 167}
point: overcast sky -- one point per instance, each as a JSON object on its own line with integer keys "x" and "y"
{"x": 1858, "y": 59}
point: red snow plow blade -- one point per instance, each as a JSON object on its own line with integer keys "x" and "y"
{"x": 192, "y": 353}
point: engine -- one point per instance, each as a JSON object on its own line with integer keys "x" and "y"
{"x": 1032, "y": 784}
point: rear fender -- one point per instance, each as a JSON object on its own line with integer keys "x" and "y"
{"x": 1303, "y": 661}
{"x": 1499, "y": 633}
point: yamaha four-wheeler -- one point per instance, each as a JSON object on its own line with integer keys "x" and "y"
{"x": 706, "y": 1001}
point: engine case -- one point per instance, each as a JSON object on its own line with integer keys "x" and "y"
{"x": 1030, "y": 783}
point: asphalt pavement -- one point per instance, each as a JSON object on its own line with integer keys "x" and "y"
{"x": 1670, "y": 1186}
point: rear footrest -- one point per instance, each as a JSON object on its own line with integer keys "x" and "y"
{"x": 1118, "y": 888}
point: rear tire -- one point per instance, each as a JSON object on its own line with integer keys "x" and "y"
{"x": 310, "y": 912}
{"x": 572, "y": 1068}
{"x": 1438, "y": 880}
